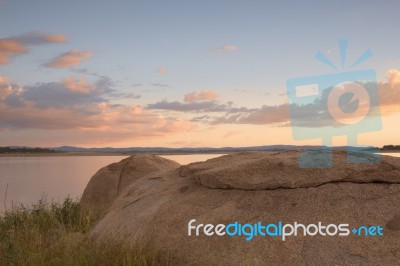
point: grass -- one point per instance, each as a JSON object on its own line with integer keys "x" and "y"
{"x": 56, "y": 234}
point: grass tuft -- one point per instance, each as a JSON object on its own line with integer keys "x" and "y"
{"x": 56, "y": 234}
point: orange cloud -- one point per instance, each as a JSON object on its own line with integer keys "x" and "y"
{"x": 38, "y": 38}
{"x": 70, "y": 110}
{"x": 7, "y": 88}
{"x": 78, "y": 85}
{"x": 10, "y": 48}
{"x": 162, "y": 70}
{"x": 227, "y": 48}
{"x": 123, "y": 122}
{"x": 54, "y": 38}
{"x": 69, "y": 59}
{"x": 201, "y": 96}
{"x": 231, "y": 134}
{"x": 4, "y": 80}
{"x": 389, "y": 92}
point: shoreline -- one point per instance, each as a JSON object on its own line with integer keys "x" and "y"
{"x": 69, "y": 154}
{"x": 66, "y": 154}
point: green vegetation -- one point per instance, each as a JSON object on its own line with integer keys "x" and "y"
{"x": 56, "y": 234}
{"x": 391, "y": 148}
{"x": 25, "y": 150}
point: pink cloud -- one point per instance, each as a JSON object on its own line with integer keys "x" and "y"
{"x": 10, "y": 48}
{"x": 227, "y": 48}
{"x": 39, "y": 38}
{"x": 78, "y": 85}
{"x": 54, "y": 38}
{"x": 231, "y": 134}
{"x": 127, "y": 121}
{"x": 389, "y": 92}
{"x": 162, "y": 70}
{"x": 200, "y": 96}
{"x": 4, "y": 80}
{"x": 90, "y": 117}
{"x": 69, "y": 59}
{"x": 7, "y": 88}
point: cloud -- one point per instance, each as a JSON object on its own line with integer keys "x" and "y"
{"x": 231, "y": 134}
{"x": 389, "y": 92}
{"x": 71, "y": 93}
{"x": 182, "y": 143}
{"x": 265, "y": 115}
{"x": 84, "y": 71}
{"x": 10, "y": 48}
{"x": 14, "y": 46}
{"x": 86, "y": 109}
{"x": 54, "y": 38}
{"x": 314, "y": 114}
{"x": 105, "y": 82}
{"x": 65, "y": 95}
{"x": 132, "y": 96}
{"x": 38, "y": 38}
{"x": 122, "y": 120}
{"x": 193, "y": 102}
{"x": 162, "y": 70}
{"x": 200, "y": 106}
{"x": 204, "y": 102}
{"x": 185, "y": 107}
{"x": 83, "y": 111}
{"x": 69, "y": 59}
{"x": 78, "y": 85}
{"x": 201, "y": 96}
{"x": 152, "y": 90}
{"x": 9, "y": 92}
{"x": 161, "y": 85}
{"x": 227, "y": 48}
{"x": 4, "y": 81}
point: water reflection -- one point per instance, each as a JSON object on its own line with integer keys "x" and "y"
{"x": 31, "y": 178}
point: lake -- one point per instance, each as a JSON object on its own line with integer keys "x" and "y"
{"x": 28, "y": 179}
{"x": 53, "y": 178}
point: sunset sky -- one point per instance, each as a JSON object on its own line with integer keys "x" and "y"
{"x": 181, "y": 73}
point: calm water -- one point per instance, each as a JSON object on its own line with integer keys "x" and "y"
{"x": 31, "y": 178}
{"x": 392, "y": 154}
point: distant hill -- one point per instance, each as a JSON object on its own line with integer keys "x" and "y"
{"x": 199, "y": 150}
{"x": 164, "y": 150}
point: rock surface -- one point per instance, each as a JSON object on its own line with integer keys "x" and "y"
{"x": 267, "y": 187}
{"x": 255, "y": 171}
{"x": 105, "y": 186}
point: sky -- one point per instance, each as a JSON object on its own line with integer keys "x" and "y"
{"x": 182, "y": 73}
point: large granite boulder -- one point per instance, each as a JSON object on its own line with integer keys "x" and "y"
{"x": 266, "y": 187}
{"x": 109, "y": 181}
{"x": 258, "y": 171}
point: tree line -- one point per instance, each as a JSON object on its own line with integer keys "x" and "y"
{"x": 391, "y": 147}
{"x": 25, "y": 150}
